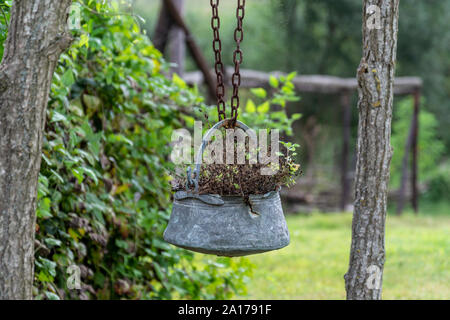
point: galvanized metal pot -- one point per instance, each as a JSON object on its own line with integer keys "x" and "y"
{"x": 226, "y": 226}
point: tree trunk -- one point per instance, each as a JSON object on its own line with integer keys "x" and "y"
{"x": 375, "y": 79}
{"x": 36, "y": 38}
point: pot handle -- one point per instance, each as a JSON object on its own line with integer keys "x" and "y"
{"x": 194, "y": 181}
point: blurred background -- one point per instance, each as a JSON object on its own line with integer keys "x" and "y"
{"x": 324, "y": 38}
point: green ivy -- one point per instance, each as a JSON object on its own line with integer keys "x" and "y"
{"x": 104, "y": 192}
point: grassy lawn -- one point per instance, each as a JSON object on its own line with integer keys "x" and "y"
{"x": 313, "y": 265}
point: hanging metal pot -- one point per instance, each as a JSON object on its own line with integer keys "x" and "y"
{"x": 226, "y": 226}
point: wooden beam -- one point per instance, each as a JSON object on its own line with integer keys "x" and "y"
{"x": 308, "y": 83}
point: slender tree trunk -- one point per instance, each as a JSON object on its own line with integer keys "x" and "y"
{"x": 36, "y": 38}
{"x": 375, "y": 78}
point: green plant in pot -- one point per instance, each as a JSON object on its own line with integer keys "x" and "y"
{"x": 230, "y": 207}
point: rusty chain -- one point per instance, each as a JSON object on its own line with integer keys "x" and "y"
{"x": 217, "y": 47}
{"x": 237, "y": 60}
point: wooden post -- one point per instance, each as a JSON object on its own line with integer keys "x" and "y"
{"x": 406, "y": 156}
{"x": 193, "y": 48}
{"x": 414, "y": 176}
{"x": 163, "y": 26}
{"x": 346, "y": 121}
{"x": 177, "y": 44}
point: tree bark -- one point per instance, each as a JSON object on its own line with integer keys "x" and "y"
{"x": 36, "y": 38}
{"x": 375, "y": 88}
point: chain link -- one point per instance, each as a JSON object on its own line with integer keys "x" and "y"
{"x": 237, "y": 60}
{"x": 218, "y": 67}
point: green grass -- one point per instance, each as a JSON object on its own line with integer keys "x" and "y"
{"x": 313, "y": 265}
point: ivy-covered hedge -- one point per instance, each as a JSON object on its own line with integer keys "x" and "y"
{"x": 104, "y": 193}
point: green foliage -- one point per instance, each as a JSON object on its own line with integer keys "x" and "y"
{"x": 5, "y": 6}
{"x": 104, "y": 193}
{"x": 293, "y": 167}
{"x": 430, "y": 147}
{"x": 264, "y": 110}
{"x": 270, "y": 111}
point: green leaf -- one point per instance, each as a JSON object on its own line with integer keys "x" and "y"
{"x": 51, "y": 295}
{"x": 99, "y": 279}
{"x": 264, "y": 108}
{"x": 250, "y": 107}
{"x": 158, "y": 270}
{"x": 274, "y": 83}
{"x": 68, "y": 79}
{"x": 78, "y": 174}
{"x": 48, "y": 265}
{"x": 52, "y": 242}
{"x": 291, "y": 76}
{"x": 259, "y": 92}
{"x": 58, "y": 117}
{"x": 121, "y": 244}
{"x": 178, "y": 81}
{"x": 44, "y": 277}
{"x": 92, "y": 102}
{"x": 43, "y": 210}
{"x": 84, "y": 40}
{"x": 90, "y": 173}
